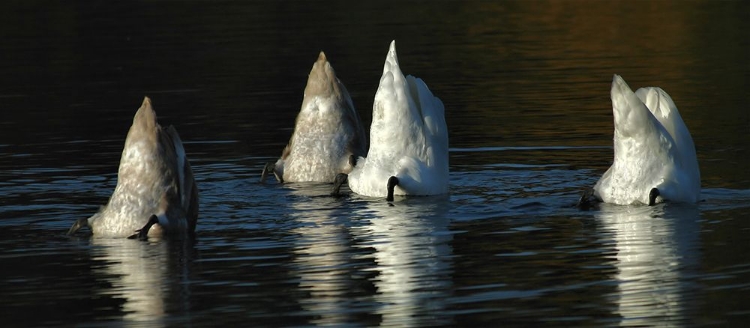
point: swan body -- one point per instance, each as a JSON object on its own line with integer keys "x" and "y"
{"x": 408, "y": 139}
{"x": 327, "y": 131}
{"x": 155, "y": 185}
{"x": 653, "y": 150}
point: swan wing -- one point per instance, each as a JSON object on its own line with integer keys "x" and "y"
{"x": 188, "y": 190}
{"x": 665, "y": 111}
{"x": 433, "y": 119}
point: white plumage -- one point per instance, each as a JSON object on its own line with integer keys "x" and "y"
{"x": 653, "y": 149}
{"x": 408, "y": 138}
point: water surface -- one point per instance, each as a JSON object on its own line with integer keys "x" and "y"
{"x": 526, "y": 89}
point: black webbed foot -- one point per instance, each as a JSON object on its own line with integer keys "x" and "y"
{"x": 652, "y": 196}
{"x": 270, "y": 168}
{"x": 340, "y": 179}
{"x": 587, "y": 200}
{"x": 142, "y": 233}
{"x": 392, "y": 183}
{"x": 80, "y": 223}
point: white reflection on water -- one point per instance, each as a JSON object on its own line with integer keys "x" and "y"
{"x": 137, "y": 272}
{"x": 322, "y": 253}
{"x": 412, "y": 256}
{"x": 656, "y": 246}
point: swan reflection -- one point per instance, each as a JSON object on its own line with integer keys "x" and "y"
{"x": 656, "y": 247}
{"x": 412, "y": 258}
{"x": 137, "y": 272}
{"x": 358, "y": 257}
{"x": 322, "y": 253}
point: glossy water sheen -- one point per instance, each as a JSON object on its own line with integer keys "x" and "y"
{"x": 526, "y": 91}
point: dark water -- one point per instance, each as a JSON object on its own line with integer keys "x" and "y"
{"x": 526, "y": 89}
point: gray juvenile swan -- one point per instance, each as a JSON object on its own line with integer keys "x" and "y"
{"x": 155, "y": 193}
{"x": 327, "y": 133}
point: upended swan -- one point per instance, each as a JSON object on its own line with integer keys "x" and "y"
{"x": 408, "y": 140}
{"x": 327, "y": 132}
{"x": 156, "y": 193}
{"x": 655, "y": 157}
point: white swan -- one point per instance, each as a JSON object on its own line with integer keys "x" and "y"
{"x": 327, "y": 132}
{"x": 408, "y": 139}
{"x": 155, "y": 190}
{"x": 654, "y": 153}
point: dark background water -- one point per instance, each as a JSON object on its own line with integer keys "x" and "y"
{"x": 526, "y": 90}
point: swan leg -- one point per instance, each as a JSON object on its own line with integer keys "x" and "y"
{"x": 587, "y": 199}
{"x": 142, "y": 233}
{"x": 652, "y": 196}
{"x": 392, "y": 183}
{"x": 80, "y": 223}
{"x": 270, "y": 168}
{"x": 340, "y": 179}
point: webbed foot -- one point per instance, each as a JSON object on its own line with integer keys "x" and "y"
{"x": 340, "y": 179}
{"x": 270, "y": 168}
{"x": 392, "y": 183}
{"x": 142, "y": 233}
{"x": 587, "y": 199}
{"x": 80, "y": 223}
{"x": 652, "y": 196}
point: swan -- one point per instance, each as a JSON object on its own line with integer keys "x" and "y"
{"x": 156, "y": 193}
{"x": 654, "y": 157}
{"x": 327, "y": 132}
{"x": 408, "y": 140}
